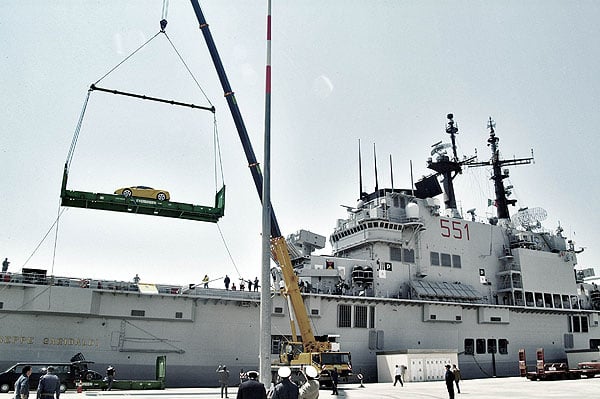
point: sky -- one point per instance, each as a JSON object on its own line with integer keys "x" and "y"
{"x": 383, "y": 72}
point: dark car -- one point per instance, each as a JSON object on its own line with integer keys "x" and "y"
{"x": 68, "y": 373}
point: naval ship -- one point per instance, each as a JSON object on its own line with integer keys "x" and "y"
{"x": 408, "y": 274}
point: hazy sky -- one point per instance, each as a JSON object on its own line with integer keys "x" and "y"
{"x": 384, "y": 72}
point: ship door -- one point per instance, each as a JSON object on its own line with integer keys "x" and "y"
{"x": 417, "y": 371}
{"x": 161, "y": 368}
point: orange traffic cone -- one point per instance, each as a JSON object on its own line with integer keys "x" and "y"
{"x": 79, "y": 387}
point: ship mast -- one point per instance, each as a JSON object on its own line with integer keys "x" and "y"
{"x": 448, "y": 168}
{"x": 498, "y": 175}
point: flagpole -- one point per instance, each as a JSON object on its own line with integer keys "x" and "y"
{"x": 265, "y": 291}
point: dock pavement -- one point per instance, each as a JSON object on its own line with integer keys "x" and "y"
{"x": 489, "y": 388}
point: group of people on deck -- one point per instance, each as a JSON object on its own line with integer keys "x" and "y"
{"x": 232, "y": 286}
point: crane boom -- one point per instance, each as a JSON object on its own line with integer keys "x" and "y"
{"x": 313, "y": 351}
{"x": 235, "y": 112}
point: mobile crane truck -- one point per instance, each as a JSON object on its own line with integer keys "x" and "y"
{"x": 310, "y": 351}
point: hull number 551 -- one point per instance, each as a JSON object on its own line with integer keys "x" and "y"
{"x": 458, "y": 229}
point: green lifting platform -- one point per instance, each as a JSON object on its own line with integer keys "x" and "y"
{"x": 144, "y": 206}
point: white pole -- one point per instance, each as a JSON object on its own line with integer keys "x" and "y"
{"x": 265, "y": 292}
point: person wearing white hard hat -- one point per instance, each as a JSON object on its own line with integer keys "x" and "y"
{"x": 251, "y": 388}
{"x": 286, "y": 389}
{"x": 310, "y": 389}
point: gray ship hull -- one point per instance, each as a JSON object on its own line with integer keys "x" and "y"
{"x": 203, "y": 328}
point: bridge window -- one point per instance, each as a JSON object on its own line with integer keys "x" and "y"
{"x": 446, "y": 260}
{"x": 138, "y": 312}
{"x": 435, "y": 258}
{"x": 396, "y": 254}
{"x": 456, "y": 261}
{"x": 492, "y": 345}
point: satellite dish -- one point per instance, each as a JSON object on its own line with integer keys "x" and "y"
{"x": 530, "y": 218}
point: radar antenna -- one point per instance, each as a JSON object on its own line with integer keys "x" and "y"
{"x": 530, "y": 219}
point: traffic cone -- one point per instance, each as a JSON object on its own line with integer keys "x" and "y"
{"x": 79, "y": 387}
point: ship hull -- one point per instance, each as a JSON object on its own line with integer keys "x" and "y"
{"x": 199, "y": 330}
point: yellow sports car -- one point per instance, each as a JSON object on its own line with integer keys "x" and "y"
{"x": 144, "y": 192}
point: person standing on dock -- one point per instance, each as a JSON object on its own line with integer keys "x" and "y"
{"x": 449, "y": 377}
{"x": 22, "y": 384}
{"x": 334, "y": 381}
{"x": 310, "y": 389}
{"x": 255, "y": 283}
{"x": 205, "y": 281}
{"x": 223, "y": 378}
{"x": 286, "y": 389}
{"x": 251, "y": 388}
{"x": 398, "y": 376}
{"x": 49, "y": 385}
{"x": 5, "y": 265}
{"x": 110, "y": 377}
{"x": 456, "y": 372}
{"x": 226, "y": 281}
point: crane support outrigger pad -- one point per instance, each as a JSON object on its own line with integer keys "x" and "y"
{"x": 144, "y": 206}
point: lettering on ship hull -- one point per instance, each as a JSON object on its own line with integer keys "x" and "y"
{"x": 55, "y": 341}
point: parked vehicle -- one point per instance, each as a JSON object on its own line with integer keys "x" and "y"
{"x": 69, "y": 373}
{"x": 555, "y": 371}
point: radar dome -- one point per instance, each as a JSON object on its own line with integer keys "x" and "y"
{"x": 412, "y": 211}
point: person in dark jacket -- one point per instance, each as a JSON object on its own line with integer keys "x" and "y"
{"x": 49, "y": 385}
{"x": 110, "y": 377}
{"x": 449, "y": 377}
{"x": 286, "y": 389}
{"x": 223, "y": 379}
{"x": 22, "y": 384}
{"x": 457, "y": 376}
{"x": 334, "y": 381}
{"x": 252, "y": 388}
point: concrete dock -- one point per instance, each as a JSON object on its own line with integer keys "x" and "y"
{"x": 491, "y": 388}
